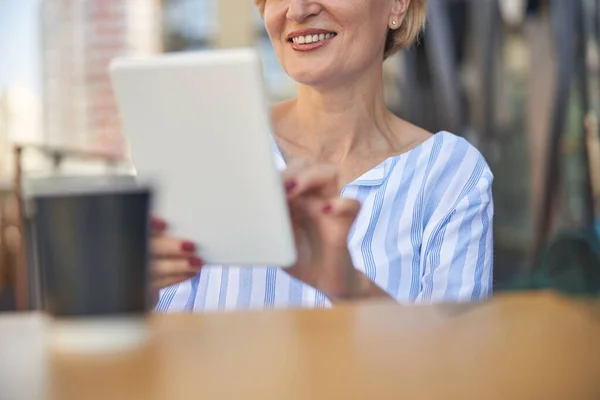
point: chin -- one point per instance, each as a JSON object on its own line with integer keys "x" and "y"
{"x": 312, "y": 77}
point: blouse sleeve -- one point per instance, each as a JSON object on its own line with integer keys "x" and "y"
{"x": 457, "y": 258}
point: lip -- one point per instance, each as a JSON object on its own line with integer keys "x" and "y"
{"x": 309, "y": 46}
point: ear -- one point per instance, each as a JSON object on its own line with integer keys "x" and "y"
{"x": 398, "y": 12}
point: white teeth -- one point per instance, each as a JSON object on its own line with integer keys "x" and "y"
{"x": 312, "y": 38}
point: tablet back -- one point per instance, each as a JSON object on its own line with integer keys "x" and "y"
{"x": 199, "y": 126}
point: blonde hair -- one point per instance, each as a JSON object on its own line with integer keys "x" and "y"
{"x": 405, "y": 35}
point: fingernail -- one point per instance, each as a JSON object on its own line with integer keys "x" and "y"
{"x": 159, "y": 224}
{"x": 188, "y": 247}
{"x": 327, "y": 208}
{"x": 289, "y": 186}
{"x": 196, "y": 262}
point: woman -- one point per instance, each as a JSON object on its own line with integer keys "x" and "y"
{"x": 380, "y": 208}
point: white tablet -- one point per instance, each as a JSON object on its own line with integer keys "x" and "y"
{"x": 198, "y": 125}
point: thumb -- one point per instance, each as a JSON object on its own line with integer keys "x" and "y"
{"x": 343, "y": 212}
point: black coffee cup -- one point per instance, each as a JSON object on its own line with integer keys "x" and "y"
{"x": 92, "y": 249}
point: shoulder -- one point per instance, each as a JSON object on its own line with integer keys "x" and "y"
{"x": 459, "y": 147}
{"x": 446, "y": 171}
{"x": 447, "y": 159}
{"x": 445, "y": 156}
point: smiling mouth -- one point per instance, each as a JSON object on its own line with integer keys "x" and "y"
{"x": 310, "y": 39}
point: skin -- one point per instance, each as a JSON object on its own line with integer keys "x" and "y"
{"x": 336, "y": 129}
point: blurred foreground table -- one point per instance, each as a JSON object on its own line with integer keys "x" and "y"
{"x": 528, "y": 346}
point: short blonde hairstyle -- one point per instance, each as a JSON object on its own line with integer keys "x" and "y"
{"x": 405, "y": 35}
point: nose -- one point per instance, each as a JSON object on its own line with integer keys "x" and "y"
{"x": 299, "y": 10}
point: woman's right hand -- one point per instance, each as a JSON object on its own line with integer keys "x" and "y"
{"x": 174, "y": 260}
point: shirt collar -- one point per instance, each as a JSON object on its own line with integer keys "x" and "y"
{"x": 373, "y": 177}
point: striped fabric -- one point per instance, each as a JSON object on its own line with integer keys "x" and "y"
{"x": 424, "y": 234}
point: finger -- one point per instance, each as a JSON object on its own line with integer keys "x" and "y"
{"x": 295, "y": 165}
{"x": 338, "y": 217}
{"x": 343, "y": 211}
{"x": 158, "y": 225}
{"x": 292, "y": 170}
{"x": 166, "y": 267}
{"x": 170, "y": 281}
{"x": 342, "y": 208}
{"x": 304, "y": 208}
{"x": 166, "y": 246}
{"x": 321, "y": 179}
{"x": 335, "y": 207}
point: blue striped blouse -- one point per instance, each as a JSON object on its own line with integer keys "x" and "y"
{"x": 424, "y": 234}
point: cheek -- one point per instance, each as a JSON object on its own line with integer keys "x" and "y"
{"x": 274, "y": 24}
{"x": 365, "y": 41}
{"x": 365, "y": 24}
{"x": 375, "y": 32}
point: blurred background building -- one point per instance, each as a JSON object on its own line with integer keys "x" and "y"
{"x": 484, "y": 69}
{"x": 79, "y": 39}
{"x": 76, "y": 39}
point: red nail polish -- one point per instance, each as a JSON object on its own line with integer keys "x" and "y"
{"x": 327, "y": 208}
{"x": 289, "y": 186}
{"x": 196, "y": 262}
{"x": 159, "y": 224}
{"x": 188, "y": 247}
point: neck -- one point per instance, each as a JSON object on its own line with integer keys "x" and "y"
{"x": 331, "y": 123}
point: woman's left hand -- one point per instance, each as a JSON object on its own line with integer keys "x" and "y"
{"x": 321, "y": 221}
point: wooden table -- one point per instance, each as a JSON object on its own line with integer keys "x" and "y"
{"x": 529, "y": 346}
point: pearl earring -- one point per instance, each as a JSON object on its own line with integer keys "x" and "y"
{"x": 393, "y": 22}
